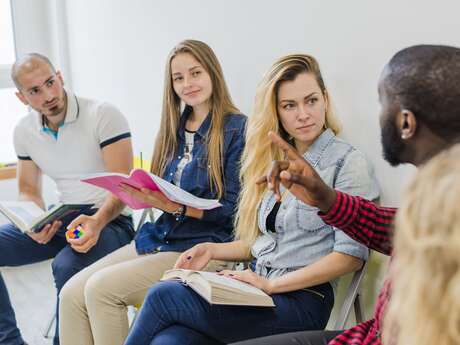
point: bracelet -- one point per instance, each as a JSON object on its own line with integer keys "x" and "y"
{"x": 180, "y": 213}
{"x": 183, "y": 213}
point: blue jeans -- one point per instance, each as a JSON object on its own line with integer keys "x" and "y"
{"x": 17, "y": 249}
{"x": 174, "y": 314}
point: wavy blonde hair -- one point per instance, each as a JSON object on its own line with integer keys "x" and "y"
{"x": 425, "y": 302}
{"x": 166, "y": 143}
{"x": 259, "y": 151}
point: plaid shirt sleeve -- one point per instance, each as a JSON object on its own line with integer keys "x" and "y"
{"x": 363, "y": 221}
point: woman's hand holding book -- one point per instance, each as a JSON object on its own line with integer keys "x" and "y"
{"x": 154, "y": 198}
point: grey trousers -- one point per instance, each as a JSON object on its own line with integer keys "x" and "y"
{"x": 295, "y": 338}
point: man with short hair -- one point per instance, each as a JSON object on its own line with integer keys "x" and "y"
{"x": 420, "y": 104}
{"x": 65, "y": 137}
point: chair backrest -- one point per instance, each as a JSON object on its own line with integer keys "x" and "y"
{"x": 147, "y": 214}
{"x": 352, "y": 299}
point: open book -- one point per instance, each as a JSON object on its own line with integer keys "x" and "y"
{"x": 141, "y": 179}
{"x": 28, "y": 217}
{"x": 218, "y": 289}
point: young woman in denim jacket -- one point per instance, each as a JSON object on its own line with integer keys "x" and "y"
{"x": 297, "y": 258}
{"x": 198, "y": 148}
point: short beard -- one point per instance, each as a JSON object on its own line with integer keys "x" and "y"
{"x": 56, "y": 112}
{"x": 393, "y": 145}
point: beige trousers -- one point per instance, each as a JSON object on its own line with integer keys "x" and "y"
{"x": 93, "y": 303}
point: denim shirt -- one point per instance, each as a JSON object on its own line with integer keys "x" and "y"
{"x": 169, "y": 234}
{"x": 301, "y": 237}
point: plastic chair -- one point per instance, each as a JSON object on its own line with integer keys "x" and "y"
{"x": 352, "y": 299}
{"x": 147, "y": 214}
{"x": 49, "y": 326}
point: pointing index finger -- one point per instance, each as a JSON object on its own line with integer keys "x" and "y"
{"x": 290, "y": 151}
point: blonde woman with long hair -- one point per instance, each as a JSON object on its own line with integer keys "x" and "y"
{"x": 297, "y": 258}
{"x": 198, "y": 148}
{"x": 425, "y": 305}
{"x": 419, "y": 104}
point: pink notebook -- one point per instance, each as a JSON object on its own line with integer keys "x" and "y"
{"x": 141, "y": 179}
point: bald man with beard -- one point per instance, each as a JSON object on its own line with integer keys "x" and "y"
{"x": 65, "y": 137}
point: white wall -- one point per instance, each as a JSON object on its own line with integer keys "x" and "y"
{"x": 39, "y": 26}
{"x": 118, "y": 49}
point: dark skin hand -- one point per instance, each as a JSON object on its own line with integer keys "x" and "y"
{"x": 299, "y": 177}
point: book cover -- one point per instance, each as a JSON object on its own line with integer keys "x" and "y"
{"x": 28, "y": 217}
{"x": 138, "y": 179}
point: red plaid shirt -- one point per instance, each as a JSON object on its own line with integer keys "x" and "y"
{"x": 371, "y": 225}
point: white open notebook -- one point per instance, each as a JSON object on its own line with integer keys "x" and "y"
{"x": 217, "y": 289}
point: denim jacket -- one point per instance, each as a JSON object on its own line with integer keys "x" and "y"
{"x": 169, "y": 234}
{"x": 301, "y": 237}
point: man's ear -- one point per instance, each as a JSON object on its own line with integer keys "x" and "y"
{"x": 407, "y": 124}
{"x": 21, "y": 97}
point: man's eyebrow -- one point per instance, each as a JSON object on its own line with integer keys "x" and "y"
{"x": 37, "y": 87}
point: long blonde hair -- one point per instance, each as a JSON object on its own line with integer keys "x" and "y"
{"x": 425, "y": 302}
{"x": 259, "y": 152}
{"x": 166, "y": 143}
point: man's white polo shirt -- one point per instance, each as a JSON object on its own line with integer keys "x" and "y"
{"x": 76, "y": 150}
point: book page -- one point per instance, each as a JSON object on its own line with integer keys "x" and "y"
{"x": 23, "y": 213}
{"x": 231, "y": 283}
{"x": 176, "y": 274}
{"x": 218, "y": 289}
{"x": 188, "y": 277}
{"x": 26, "y": 211}
{"x": 179, "y": 195}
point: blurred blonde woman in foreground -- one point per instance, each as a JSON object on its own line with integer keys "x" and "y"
{"x": 425, "y": 305}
